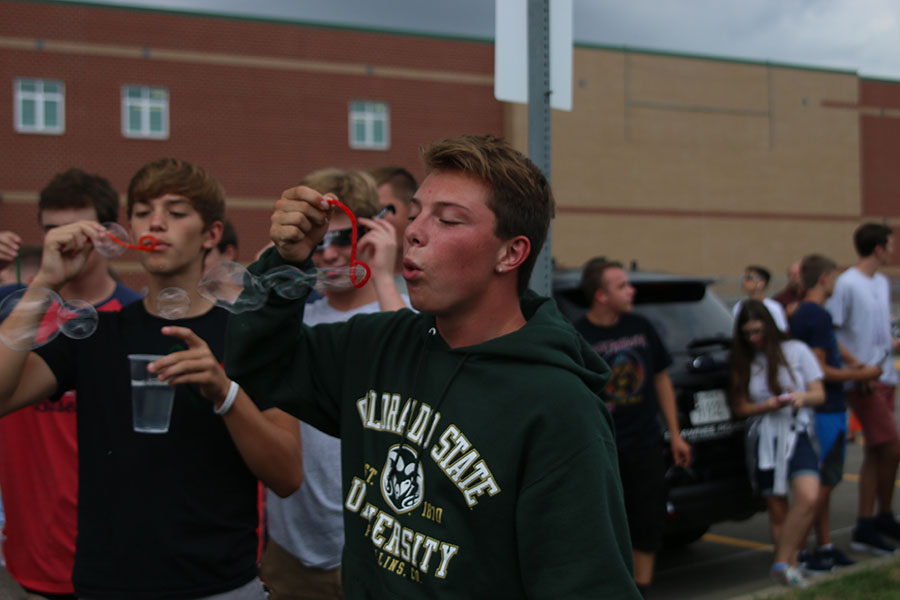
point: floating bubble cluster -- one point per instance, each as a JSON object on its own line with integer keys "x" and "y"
{"x": 41, "y": 317}
{"x": 231, "y": 286}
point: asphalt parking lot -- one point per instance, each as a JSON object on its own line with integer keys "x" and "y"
{"x": 733, "y": 559}
{"x": 9, "y": 589}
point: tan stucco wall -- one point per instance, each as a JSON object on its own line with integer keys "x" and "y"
{"x": 702, "y": 166}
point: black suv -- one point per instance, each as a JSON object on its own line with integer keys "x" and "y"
{"x": 696, "y": 328}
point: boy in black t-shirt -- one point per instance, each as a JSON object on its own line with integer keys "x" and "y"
{"x": 638, "y": 389}
{"x": 167, "y": 516}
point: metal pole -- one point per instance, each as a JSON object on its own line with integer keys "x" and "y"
{"x": 539, "y": 121}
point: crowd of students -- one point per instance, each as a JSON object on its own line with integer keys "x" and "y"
{"x": 433, "y": 433}
{"x": 471, "y": 435}
{"x": 797, "y": 363}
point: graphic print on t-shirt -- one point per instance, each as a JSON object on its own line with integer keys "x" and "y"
{"x": 628, "y": 375}
{"x": 626, "y": 379}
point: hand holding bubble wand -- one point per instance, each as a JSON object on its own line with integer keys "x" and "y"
{"x": 231, "y": 286}
{"x": 35, "y": 315}
{"x": 41, "y": 314}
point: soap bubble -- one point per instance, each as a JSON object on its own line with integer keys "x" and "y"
{"x": 77, "y": 319}
{"x": 231, "y": 286}
{"x": 41, "y": 316}
{"x": 287, "y": 281}
{"x": 34, "y": 323}
{"x": 224, "y": 284}
{"x": 173, "y": 303}
{"x": 106, "y": 246}
{"x": 339, "y": 278}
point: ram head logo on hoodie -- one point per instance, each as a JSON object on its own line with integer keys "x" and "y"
{"x": 402, "y": 479}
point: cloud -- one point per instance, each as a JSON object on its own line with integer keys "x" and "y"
{"x": 861, "y": 35}
{"x": 855, "y": 35}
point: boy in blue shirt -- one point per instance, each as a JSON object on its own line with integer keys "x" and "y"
{"x": 812, "y": 324}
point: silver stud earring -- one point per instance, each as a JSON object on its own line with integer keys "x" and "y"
{"x": 500, "y": 269}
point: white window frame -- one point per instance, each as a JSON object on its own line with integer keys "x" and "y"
{"x": 365, "y": 111}
{"x": 40, "y": 98}
{"x": 145, "y": 103}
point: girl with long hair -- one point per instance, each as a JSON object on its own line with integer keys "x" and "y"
{"x": 774, "y": 382}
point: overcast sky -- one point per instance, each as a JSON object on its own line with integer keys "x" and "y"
{"x": 854, "y": 35}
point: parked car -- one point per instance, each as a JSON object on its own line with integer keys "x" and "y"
{"x": 696, "y": 328}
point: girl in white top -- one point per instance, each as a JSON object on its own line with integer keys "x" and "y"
{"x": 774, "y": 382}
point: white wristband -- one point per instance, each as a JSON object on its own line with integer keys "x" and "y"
{"x": 229, "y": 399}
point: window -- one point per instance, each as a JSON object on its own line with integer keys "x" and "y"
{"x": 369, "y": 125}
{"x": 40, "y": 106}
{"x": 145, "y": 112}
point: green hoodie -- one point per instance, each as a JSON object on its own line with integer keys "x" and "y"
{"x": 481, "y": 472}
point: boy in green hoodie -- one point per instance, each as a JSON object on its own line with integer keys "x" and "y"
{"x": 478, "y": 460}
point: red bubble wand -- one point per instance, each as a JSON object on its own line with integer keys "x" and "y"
{"x": 146, "y": 242}
{"x": 353, "y": 239}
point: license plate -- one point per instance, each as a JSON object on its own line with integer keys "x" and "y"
{"x": 711, "y": 406}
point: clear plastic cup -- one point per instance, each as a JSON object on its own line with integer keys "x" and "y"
{"x": 151, "y": 399}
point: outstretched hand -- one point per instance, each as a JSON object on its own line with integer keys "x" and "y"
{"x": 196, "y": 365}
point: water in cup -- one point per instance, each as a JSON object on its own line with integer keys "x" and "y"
{"x": 151, "y": 405}
{"x": 151, "y": 399}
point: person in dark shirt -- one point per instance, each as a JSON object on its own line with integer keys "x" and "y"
{"x": 39, "y": 444}
{"x": 638, "y": 389}
{"x": 812, "y": 324}
{"x": 169, "y": 516}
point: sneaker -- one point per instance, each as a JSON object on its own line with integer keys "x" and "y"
{"x": 886, "y": 525}
{"x": 866, "y": 539}
{"x": 813, "y": 563}
{"x": 833, "y": 554}
{"x": 788, "y": 575}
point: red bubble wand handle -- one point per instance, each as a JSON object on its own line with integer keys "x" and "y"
{"x": 353, "y": 239}
{"x": 146, "y": 242}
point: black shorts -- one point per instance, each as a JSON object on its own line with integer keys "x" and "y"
{"x": 642, "y": 475}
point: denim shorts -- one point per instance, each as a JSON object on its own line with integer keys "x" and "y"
{"x": 804, "y": 461}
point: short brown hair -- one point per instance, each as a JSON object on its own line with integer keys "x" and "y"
{"x": 520, "y": 195}
{"x": 592, "y": 275}
{"x": 229, "y": 238}
{"x": 76, "y": 189}
{"x": 402, "y": 183}
{"x": 813, "y": 267}
{"x": 356, "y": 189}
{"x": 176, "y": 176}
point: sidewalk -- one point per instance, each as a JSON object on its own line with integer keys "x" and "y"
{"x": 776, "y": 591}
{"x": 9, "y": 589}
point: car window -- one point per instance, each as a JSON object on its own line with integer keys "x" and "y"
{"x": 681, "y": 322}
